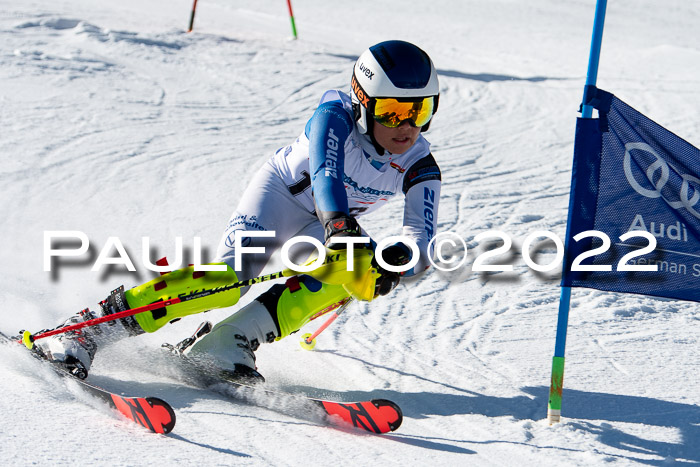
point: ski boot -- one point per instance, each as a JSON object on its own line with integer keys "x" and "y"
{"x": 227, "y": 350}
{"x": 74, "y": 350}
{"x": 208, "y": 368}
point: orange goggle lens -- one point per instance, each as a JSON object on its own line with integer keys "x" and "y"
{"x": 391, "y": 112}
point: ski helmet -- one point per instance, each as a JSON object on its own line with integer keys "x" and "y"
{"x": 391, "y": 82}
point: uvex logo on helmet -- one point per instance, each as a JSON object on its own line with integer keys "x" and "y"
{"x": 339, "y": 224}
{"x": 359, "y": 92}
{"x": 366, "y": 71}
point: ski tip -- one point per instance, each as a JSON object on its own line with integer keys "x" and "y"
{"x": 150, "y": 412}
{"x": 163, "y": 415}
{"x": 392, "y": 412}
{"x": 376, "y": 416}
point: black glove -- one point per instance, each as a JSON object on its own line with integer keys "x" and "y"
{"x": 394, "y": 255}
{"x": 341, "y": 226}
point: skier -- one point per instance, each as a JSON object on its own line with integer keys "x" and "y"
{"x": 356, "y": 152}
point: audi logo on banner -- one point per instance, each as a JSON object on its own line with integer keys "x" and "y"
{"x": 686, "y": 199}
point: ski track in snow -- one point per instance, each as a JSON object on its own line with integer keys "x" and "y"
{"x": 117, "y": 123}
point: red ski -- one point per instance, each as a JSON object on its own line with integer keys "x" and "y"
{"x": 375, "y": 415}
{"x": 150, "y": 412}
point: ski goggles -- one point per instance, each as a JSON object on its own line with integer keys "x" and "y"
{"x": 391, "y": 112}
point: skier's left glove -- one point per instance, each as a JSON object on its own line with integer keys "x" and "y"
{"x": 338, "y": 227}
{"x": 395, "y": 255}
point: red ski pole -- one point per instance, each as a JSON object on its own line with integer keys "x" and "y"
{"x": 28, "y": 338}
{"x": 332, "y": 271}
{"x": 308, "y": 341}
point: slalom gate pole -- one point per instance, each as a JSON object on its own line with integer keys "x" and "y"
{"x": 557, "y": 380}
{"x": 291, "y": 18}
{"x": 194, "y": 8}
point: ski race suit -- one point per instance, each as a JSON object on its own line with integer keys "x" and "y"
{"x": 331, "y": 168}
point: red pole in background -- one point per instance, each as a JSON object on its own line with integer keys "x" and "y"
{"x": 194, "y": 7}
{"x": 289, "y": 5}
{"x": 291, "y": 17}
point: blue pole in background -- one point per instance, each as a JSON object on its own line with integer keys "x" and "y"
{"x": 594, "y": 57}
{"x": 557, "y": 381}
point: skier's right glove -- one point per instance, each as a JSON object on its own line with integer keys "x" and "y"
{"x": 395, "y": 255}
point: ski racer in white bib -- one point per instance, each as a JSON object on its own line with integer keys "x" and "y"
{"x": 356, "y": 153}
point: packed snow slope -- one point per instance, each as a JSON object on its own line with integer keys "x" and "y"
{"x": 116, "y": 123}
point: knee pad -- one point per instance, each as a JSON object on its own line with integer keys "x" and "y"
{"x": 295, "y": 302}
{"x": 185, "y": 281}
